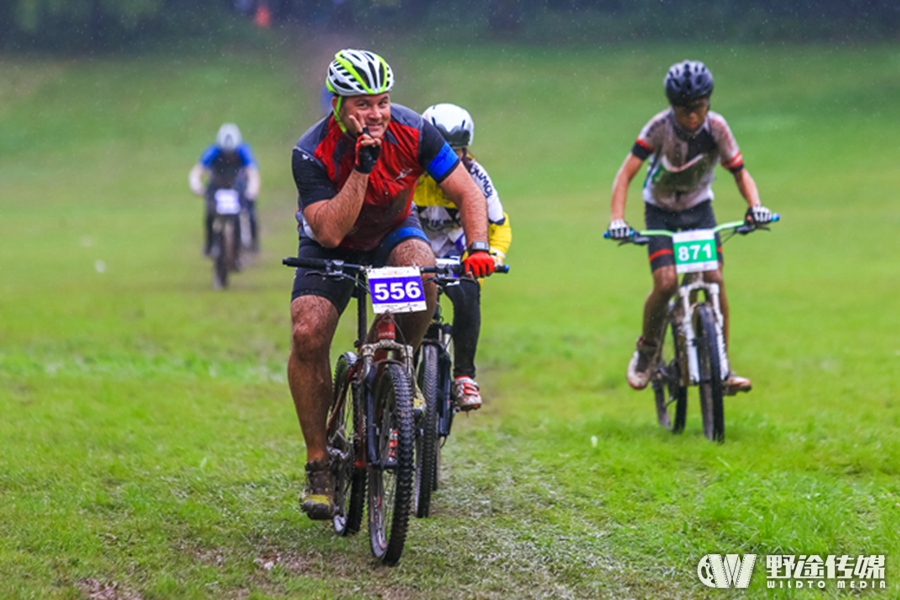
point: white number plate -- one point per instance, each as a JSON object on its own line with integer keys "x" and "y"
{"x": 396, "y": 290}
{"x": 695, "y": 251}
{"x": 228, "y": 202}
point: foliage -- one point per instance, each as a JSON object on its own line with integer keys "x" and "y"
{"x": 100, "y": 24}
{"x": 66, "y": 25}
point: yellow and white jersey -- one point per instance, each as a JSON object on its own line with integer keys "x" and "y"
{"x": 440, "y": 217}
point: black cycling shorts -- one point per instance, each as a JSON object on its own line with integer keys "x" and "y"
{"x": 659, "y": 249}
{"x": 339, "y": 291}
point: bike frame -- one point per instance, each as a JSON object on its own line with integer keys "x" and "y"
{"x": 439, "y": 335}
{"x": 683, "y": 317}
{"x": 691, "y": 284}
{"x": 373, "y": 356}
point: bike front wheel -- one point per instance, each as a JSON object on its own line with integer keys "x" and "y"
{"x": 344, "y": 439}
{"x": 219, "y": 256}
{"x": 427, "y": 446}
{"x": 709, "y": 361}
{"x": 391, "y": 474}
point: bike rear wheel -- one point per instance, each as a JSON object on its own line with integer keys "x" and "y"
{"x": 427, "y": 441}
{"x": 671, "y": 411}
{"x": 344, "y": 441}
{"x": 391, "y": 477}
{"x": 712, "y": 408}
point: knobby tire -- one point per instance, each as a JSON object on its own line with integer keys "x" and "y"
{"x": 390, "y": 482}
{"x": 712, "y": 408}
{"x": 344, "y": 441}
{"x": 671, "y": 395}
{"x": 427, "y": 439}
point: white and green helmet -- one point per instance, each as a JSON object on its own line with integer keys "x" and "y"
{"x": 359, "y": 73}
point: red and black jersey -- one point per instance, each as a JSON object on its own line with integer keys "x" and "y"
{"x": 324, "y": 157}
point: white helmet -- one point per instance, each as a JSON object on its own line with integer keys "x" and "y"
{"x": 454, "y": 122}
{"x": 229, "y": 137}
{"x": 359, "y": 73}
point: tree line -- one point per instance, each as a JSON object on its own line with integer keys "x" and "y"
{"x": 98, "y": 24}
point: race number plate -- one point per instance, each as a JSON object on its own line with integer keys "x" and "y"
{"x": 396, "y": 290}
{"x": 228, "y": 202}
{"x": 695, "y": 251}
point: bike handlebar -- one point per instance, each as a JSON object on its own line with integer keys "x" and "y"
{"x": 336, "y": 266}
{"x": 642, "y": 238}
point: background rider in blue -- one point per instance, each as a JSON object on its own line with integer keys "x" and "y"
{"x": 227, "y": 164}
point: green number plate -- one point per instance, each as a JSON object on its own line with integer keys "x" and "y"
{"x": 695, "y": 251}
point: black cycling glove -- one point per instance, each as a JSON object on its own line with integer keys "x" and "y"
{"x": 366, "y": 156}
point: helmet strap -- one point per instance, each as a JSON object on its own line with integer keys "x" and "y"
{"x": 337, "y": 116}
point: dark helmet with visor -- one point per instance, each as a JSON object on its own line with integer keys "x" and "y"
{"x": 688, "y": 81}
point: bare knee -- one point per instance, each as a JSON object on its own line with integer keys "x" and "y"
{"x": 715, "y": 277}
{"x": 313, "y": 321}
{"x": 665, "y": 282}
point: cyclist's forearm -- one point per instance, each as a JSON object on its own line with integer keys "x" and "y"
{"x": 619, "y": 198}
{"x": 331, "y": 220}
{"x": 747, "y": 187}
{"x": 627, "y": 171}
{"x": 472, "y": 205}
{"x": 253, "y": 183}
{"x": 195, "y": 179}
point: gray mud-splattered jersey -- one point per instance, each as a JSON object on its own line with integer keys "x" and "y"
{"x": 680, "y": 174}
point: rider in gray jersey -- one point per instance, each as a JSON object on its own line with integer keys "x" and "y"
{"x": 684, "y": 143}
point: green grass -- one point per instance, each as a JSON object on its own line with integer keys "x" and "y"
{"x": 149, "y": 441}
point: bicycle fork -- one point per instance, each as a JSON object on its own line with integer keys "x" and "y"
{"x": 372, "y": 353}
{"x": 687, "y": 326}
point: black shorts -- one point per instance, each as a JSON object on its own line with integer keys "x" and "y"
{"x": 660, "y": 247}
{"x": 339, "y": 291}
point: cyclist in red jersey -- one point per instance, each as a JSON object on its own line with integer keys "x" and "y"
{"x": 356, "y": 171}
{"x": 685, "y": 142}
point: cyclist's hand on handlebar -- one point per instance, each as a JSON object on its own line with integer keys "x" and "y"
{"x": 498, "y": 257}
{"x": 619, "y": 230}
{"x": 758, "y": 215}
{"x": 479, "y": 264}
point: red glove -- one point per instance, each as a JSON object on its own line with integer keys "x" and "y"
{"x": 479, "y": 264}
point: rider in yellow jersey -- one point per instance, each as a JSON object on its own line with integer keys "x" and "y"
{"x": 440, "y": 221}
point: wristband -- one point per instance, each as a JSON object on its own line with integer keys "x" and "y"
{"x": 478, "y": 247}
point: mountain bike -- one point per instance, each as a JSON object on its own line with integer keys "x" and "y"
{"x": 435, "y": 376}
{"x": 371, "y": 420}
{"x": 225, "y": 243}
{"x": 697, "y": 356}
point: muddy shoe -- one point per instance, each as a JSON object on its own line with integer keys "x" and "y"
{"x": 641, "y": 366}
{"x": 466, "y": 394}
{"x": 734, "y": 383}
{"x": 318, "y": 499}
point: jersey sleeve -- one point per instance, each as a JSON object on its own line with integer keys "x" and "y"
{"x": 246, "y": 154}
{"x": 500, "y": 235}
{"x": 484, "y": 183}
{"x": 209, "y": 155}
{"x": 729, "y": 152}
{"x": 435, "y": 155}
{"x": 311, "y": 179}
{"x": 649, "y": 139}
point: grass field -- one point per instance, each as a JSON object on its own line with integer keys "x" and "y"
{"x": 149, "y": 444}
